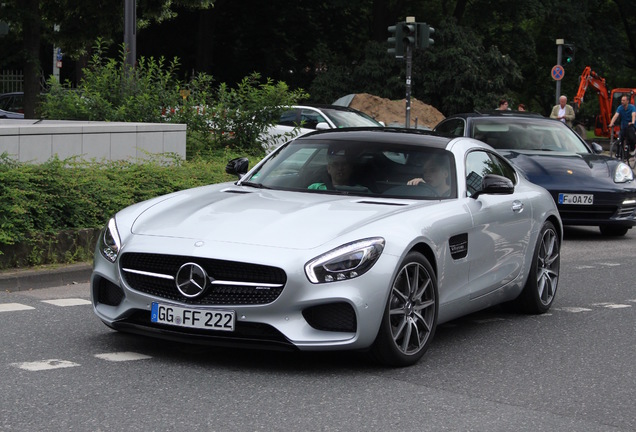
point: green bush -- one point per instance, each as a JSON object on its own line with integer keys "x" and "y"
{"x": 217, "y": 117}
{"x": 37, "y": 202}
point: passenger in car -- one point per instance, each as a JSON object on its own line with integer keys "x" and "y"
{"x": 436, "y": 173}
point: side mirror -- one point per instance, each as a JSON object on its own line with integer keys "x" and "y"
{"x": 597, "y": 148}
{"x": 237, "y": 166}
{"x": 493, "y": 184}
{"x": 322, "y": 126}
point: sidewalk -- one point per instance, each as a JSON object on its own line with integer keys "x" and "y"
{"x": 45, "y": 277}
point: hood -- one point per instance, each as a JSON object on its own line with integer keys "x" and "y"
{"x": 584, "y": 171}
{"x": 284, "y": 219}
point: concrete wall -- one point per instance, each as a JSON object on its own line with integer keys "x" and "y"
{"x": 36, "y": 141}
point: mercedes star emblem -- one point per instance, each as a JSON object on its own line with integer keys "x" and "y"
{"x": 191, "y": 280}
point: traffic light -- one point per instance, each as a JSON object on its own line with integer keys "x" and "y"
{"x": 568, "y": 53}
{"x": 396, "y": 44}
{"x": 424, "y": 33}
{"x": 409, "y": 33}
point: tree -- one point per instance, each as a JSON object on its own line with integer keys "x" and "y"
{"x": 460, "y": 74}
{"x": 80, "y": 23}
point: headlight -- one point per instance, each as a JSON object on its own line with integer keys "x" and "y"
{"x": 623, "y": 173}
{"x": 109, "y": 242}
{"x": 345, "y": 262}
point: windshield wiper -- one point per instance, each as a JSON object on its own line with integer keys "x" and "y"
{"x": 254, "y": 185}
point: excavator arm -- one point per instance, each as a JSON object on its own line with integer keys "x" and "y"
{"x": 589, "y": 77}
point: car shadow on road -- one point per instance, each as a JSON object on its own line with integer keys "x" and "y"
{"x": 592, "y": 234}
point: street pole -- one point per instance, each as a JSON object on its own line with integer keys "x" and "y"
{"x": 57, "y": 57}
{"x": 409, "y": 66}
{"x": 130, "y": 31}
{"x": 559, "y": 43}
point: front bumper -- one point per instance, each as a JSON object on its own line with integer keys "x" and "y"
{"x": 305, "y": 316}
{"x": 608, "y": 209}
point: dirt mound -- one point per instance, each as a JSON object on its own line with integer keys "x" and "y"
{"x": 394, "y": 112}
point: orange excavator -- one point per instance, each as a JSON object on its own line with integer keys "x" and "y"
{"x": 608, "y": 100}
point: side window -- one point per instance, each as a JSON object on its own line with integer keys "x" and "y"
{"x": 310, "y": 119}
{"x": 481, "y": 163}
{"x": 452, "y": 127}
{"x": 288, "y": 118}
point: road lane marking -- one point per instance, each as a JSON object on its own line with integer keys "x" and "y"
{"x": 10, "y": 307}
{"x": 45, "y": 365}
{"x": 67, "y": 302}
{"x": 489, "y": 320}
{"x": 612, "y": 305}
{"x": 122, "y": 356}
{"x": 573, "y": 309}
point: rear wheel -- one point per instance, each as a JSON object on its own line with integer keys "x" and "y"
{"x": 613, "y": 231}
{"x": 616, "y": 149}
{"x": 410, "y": 316}
{"x": 538, "y": 293}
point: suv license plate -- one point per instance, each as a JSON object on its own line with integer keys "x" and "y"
{"x": 192, "y": 318}
{"x": 580, "y": 199}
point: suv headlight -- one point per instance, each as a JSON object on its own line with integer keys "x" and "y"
{"x": 623, "y": 173}
{"x": 345, "y": 262}
{"x": 109, "y": 242}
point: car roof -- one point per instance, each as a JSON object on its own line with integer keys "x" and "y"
{"x": 381, "y": 134}
{"x": 326, "y": 106}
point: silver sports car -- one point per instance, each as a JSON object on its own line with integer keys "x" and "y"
{"x": 350, "y": 239}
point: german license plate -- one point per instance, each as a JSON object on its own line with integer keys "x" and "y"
{"x": 580, "y": 199}
{"x": 192, "y": 318}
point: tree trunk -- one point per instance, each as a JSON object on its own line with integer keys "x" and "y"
{"x": 627, "y": 10}
{"x": 32, "y": 21}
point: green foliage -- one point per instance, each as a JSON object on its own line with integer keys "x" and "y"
{"x": 240, "y": 115}
{"x": 216, "y": 117}
{"x": 375, "y": 72}
{"x": 460, "y": 74}
{"x": 39, "y": 201}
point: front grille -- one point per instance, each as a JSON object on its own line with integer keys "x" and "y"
{"x": 583, "y": 212}
{"x": 597, "y": 213}
{"x": 229, "y": 271}
{"x": 332, "y": 317}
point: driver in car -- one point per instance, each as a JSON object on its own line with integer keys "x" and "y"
{"x": 340, "y": 170}
{"x": 436, "y": 174}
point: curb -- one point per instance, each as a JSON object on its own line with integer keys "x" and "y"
{"x": 53, "y": 276}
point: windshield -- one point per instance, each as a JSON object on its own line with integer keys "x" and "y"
{"x": 527, "y": 134}
{"x": 343, "y": 119}
{"x": 358, "y": 168}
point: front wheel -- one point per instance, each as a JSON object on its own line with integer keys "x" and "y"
{"x": 410, "y": 316}
{"x": 540, "y": 288}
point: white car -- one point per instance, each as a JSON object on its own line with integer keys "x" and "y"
{"x": 302, "y": 119}
{"x": 349, "y": 239}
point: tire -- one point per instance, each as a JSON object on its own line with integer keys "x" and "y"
{"x": 614, "y": 149}
{"x": 613, "y": 231}
{"x": 410, "y": 317}
{"x": 581, "y": 131}
{"x": 631, "y": 160}
{"x": 540, "y": 288}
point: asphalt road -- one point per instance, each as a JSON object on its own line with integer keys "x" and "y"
{"x": 572, "y": 369}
